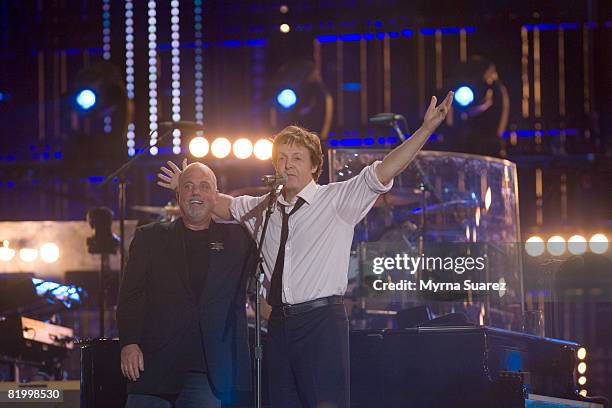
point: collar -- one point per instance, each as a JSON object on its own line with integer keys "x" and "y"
{"x": 307, "y": 194}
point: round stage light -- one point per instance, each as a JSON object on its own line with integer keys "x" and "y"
{"x": 534, "y": 246}
{"x": 28, "y": 254}
{"x": 577, "y": 245}
{"x": 556, "y": 245}
{"x": 598, "y": 243}
{"x": 221, "y": 147}
{"x": 583, "y": 393}
{"x": 286, "y": 98}
{"x": 243, "y": 148}
{"x": 285, "y": 28}
{"x": 86, "y": 98}
{"x": 6, "y": 253}
{"x": 49, "y": 252}
{"x": 263, "y": 149}
{"x": 464, "y": 95}
{"x": 582, "y": 367}
{"x": 198, "y": 147}
{"x": 581, "y": 353}
{"x": 582, "y": 380}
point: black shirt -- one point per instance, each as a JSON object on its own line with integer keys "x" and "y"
{"x": 197, "y": 247}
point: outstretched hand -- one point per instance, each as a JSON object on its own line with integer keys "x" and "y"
{"x": 436, "y": 114}
{"x": 171, "y": 178}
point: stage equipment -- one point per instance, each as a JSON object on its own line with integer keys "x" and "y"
{"x": 99, "y": 88}
{"x": 298, "y": 96}
{"x": 458, "y": 366}
{"x": 443, "y": 205}
{"x": 25, "y": 294}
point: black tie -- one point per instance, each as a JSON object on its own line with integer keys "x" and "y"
{"x": 275, "y": 297}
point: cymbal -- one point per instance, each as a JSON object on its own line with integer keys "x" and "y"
{"x": 149, "y": 209}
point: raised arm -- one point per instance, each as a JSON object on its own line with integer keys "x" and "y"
{"x": 170, "y": 179}
{"x": 399, "y": 158}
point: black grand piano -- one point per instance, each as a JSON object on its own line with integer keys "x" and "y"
{"x": 462, "y": 366}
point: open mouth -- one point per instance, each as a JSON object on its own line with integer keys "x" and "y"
{"x": 196, "y": 202}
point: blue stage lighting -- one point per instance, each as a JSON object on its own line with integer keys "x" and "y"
{"x": 86, "y": 98}
{"x": 464, "y": 95}
{"x": 286, "y": 98}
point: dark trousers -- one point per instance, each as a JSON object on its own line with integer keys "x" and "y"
{"x": 307, "y": 359}
{"x": 196, "y": 393}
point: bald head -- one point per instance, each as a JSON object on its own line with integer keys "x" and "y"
{"x": 198, "y": 168}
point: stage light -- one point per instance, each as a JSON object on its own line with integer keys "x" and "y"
{"x": 243, "y": 148}
{"x": 263, "y": 149}
{"x": 534, "y": 246}
{"x": 86, "y": 99}
{"x": 6, "y": 253}
{"x": 583, "y": 393}
{"x": 488, "y": 199}
{"x": 582, "y": 367}
{"x": 198, "y": 147}
{"x": 582, "y": 380}
{"x": 581, "y": 353}
{"x": 286, "y": 98}
{"x": 28, "y": 254}
{"x": 464, "y": 95}
{"x": 285, "y": 28}
{"x": 577, "y": 245}
{"x": 221, "y": 147}
{"x": 49, "y": 252}
{"x": 284, "y": 9}
{"x": 598, "y": 243}
{"x": 556, "y": 245}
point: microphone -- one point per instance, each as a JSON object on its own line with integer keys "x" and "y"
{"x": 385, "y": 119}
{"x": 183, "y": 125}
{"x": 274, "y": 180}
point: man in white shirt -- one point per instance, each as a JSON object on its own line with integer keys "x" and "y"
{"x": 306, "y": 255}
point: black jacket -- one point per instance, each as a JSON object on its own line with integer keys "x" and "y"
{"x": 158, "y": 310}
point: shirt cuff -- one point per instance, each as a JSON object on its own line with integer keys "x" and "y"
{"x": 373, "y": 182}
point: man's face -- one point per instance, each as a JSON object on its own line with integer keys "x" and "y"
{"x": 197, "y": 194}
{"x": 294, "y": 161}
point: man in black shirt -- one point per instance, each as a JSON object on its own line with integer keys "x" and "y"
{"x": 181, "y": 312}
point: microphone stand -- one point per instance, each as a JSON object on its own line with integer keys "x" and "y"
{"x": 120, "y": 172}
{"x": 259, "y": 276}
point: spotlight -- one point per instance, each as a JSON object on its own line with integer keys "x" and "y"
{"x": 243, "y": 148}
{"x": 49, "y": 252}
{"x": 598, "y": 243}
{"x": 263, "y": 149}
{"x": 583, "y": 393}
{"x": 221, "y": 147}
{"x": 198, "y": 147}
{"x": 285, "y": 28}
{"x": 6, "y": 253}
{"x": 286, "y": 98}
{"x": 534, "y": 246}
{"x": 28, "y": 254}
{"x": 577, "y": 245}
{"x": 582, "y": 367}
{"x": 556, "y": 245}
{"x": 284, "y": 9}
{"x": 581, "y": 353}
{"x": 464, "y": 95}
{"x": 86, "y": 99}
{"x": 582, "y": 380}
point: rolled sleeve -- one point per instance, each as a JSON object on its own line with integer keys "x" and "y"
{"x": 371, "y": 179}
{"x": 355, "y": 197}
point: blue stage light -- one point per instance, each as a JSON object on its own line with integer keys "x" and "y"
{"x": 86, "y": 98}
{"x": 464, "y": 95}
{"x": 286, "y": 98}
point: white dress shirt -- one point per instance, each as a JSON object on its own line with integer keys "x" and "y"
{"x": 320, "y": 233}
